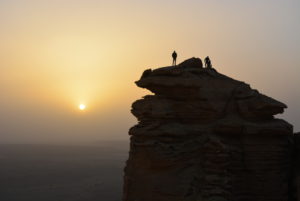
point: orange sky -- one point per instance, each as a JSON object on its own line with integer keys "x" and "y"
{"x": 55, "y": 55}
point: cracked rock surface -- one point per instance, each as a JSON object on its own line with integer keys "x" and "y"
{"x": 205, "y": 136}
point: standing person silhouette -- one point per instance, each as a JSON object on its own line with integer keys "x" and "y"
{"x": 174, "y": 55}
{"x": 207, "y": 62}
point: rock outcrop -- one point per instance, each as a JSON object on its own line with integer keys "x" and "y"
{"x": 205, "y": 136}
{"x": 296, "y": 167}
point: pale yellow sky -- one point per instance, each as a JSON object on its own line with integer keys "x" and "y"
{"x": 55, "y": 55}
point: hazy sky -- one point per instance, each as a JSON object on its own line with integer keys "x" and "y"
{"x": 56, "y": 54}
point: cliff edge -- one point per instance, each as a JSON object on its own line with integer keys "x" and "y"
{"x": 206, "y": 136}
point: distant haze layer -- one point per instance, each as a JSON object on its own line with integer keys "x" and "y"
{"x": 56, "y": 55}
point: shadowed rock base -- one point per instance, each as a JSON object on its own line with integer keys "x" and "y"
{"x": 296, "y": 168}
{"x": 203, "y": 136}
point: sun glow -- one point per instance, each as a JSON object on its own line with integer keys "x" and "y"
{"x": 82, "y": 107}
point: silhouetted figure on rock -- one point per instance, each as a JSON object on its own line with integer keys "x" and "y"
{"x": 174, "y": 55}
{"x": 207, "y": 62}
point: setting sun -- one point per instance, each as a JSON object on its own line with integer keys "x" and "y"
{"x": 82, "y": 107}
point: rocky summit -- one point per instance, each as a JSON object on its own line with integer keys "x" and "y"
{"x": 203, "y": 136}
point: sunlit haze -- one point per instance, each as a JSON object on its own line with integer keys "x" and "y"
{"x": 56, "y": 55}
{"x": 82, "y": 107}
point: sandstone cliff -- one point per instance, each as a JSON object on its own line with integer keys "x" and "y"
{"x": 296, "y": 167}
{"x": 206, "y": 136}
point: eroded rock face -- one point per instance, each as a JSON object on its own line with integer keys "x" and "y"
{"x": 205, "y": 136}
{"x": 296, "y": 166}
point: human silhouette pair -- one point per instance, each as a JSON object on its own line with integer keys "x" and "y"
{"x": 206, "y": 60}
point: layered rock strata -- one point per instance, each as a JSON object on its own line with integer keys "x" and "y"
{"x": 205, "y": 136}
{"x": 296, "y": 167}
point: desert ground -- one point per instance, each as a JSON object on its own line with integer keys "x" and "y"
{"x": 62, "y": 172}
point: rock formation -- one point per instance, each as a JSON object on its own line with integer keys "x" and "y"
{"x": 296, "y": 167}
{"x": 204, "y": 136}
